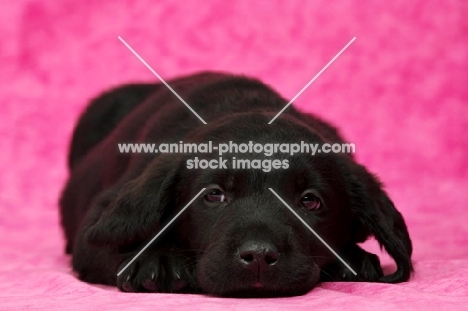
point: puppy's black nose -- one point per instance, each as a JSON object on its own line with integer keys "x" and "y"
{"x": 258, "y": 256}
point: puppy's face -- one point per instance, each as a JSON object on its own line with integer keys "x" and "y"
{"x": 249, "y": 242}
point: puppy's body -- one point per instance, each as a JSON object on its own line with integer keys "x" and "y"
{"x": 237, "y": 238}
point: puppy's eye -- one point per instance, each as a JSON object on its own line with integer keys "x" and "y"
{"x": 310, "y": 202}
{"x": 215, "y": 195}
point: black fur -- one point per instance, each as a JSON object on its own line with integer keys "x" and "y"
{"x": 248, "y": 245}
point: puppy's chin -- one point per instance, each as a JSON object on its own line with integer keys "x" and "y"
{"x": 230, "y": 281}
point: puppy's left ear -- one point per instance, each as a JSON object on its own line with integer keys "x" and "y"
{"x": 134, "y": 211}
{"x": 376, "y": 215}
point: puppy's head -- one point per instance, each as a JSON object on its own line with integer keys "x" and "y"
{"x": 244, "y": 239}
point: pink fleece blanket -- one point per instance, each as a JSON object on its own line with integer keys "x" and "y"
{"x": 399, "y": 92}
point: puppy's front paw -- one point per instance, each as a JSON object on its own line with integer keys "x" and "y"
{"x": 368, "y": 270}
{"x": 366, "y": 266}
{"x": 156, "y": 272}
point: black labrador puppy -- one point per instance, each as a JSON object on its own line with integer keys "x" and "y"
{"x": 237, "y": 238}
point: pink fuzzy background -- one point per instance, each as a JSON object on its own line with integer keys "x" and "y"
{"x": 399, "y": 92}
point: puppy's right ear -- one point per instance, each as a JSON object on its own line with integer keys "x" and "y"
{"x": 134, "y": 213}
{"x": 377, "y": 216}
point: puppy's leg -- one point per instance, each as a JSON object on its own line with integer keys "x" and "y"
{"x": 162, "y": 270}
{"x": 155, "y": 270}
{"x": 366, "y": 265}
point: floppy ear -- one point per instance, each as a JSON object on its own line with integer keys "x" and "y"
{"x": 376, "y": 215}
{"x": 133, "y": 212}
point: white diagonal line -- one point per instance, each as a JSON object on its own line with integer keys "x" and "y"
{"x": 160, "y": 232}
{"x": 162, "y": 80}
{"x": 313, "y": 79}
{"x": 312, "y": 230}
